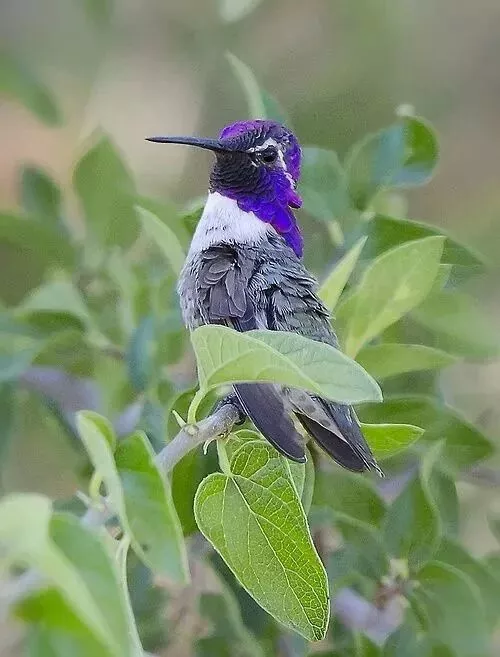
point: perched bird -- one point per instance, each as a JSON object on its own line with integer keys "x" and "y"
{"x": 244, "y": 269}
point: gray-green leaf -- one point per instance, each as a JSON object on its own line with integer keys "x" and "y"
{"x": 140, "y": 497}
{"x": 403, "y": 155}
{"x": 384, "y": 360}
{"x": 256, "y": 522}
{"x": 392, "y": 285}
{"x": 261, "y": 105}
{"x": 74, "y": 560}
{"x": 164, "y": 238}
{"x": 227, "y": 356}
{"x": 333, "y": 286}
{"x": 323, "y": 184}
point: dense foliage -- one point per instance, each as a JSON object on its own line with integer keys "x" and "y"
{"x": 96, "y": 345}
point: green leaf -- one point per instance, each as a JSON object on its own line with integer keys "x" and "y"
{"x": 384, "y": 360}
{"x": 45, "y": 242}
{"x": 453, "y": 554}
{"x": 8, "y": 407}
{"x": 454, "y": 609}
{"x": 164, "y": 238}
{"x": 402, "y": 155}
{"x": 15, "y": 362}
{"x": 388, "y": 439}
{"x": 354, "y": 496}
{"x": 464, "y": 444}
{"x": 140, "y": 497}
{"x": 459, "y": 324}
{"x": 73, "y": 560}
{"x": 141, "y": 352}
{"x": 364, "y": 553}
{"x": 255, "y": 521}
{"x": 391, "y": 286}
{"x": 41, "y": 197}
{"x": 19, "y": 82}
{"x": 333, "y": 286}
{"x": 412, "y": 526}
{"x": 105, "y": 189}
{"x": 59, "y": 297}
{"x": 261, "y": 105}
{"x": 99, "y": 11}
{"x": 323, "y": 185}
{"x": 385, "y": 233}
{"x": 234, "y": 10}
{"x": 444, "y": 493}
{"x": 226, "y": 356}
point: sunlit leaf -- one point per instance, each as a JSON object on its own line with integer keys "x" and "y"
{"x": 391, "y": 286}
{"x": 256, "y": 522}
{"x": 333, "y": 286}
{"x": 323, "y": 184}
{"x": 388, "y": 439}
{"x": 164, "y": 238}
{"x": 19, "y": 82}
{"x": 384, "y": 360}
{"x": 403, "y": 155}
{"x": 226, "y": 356}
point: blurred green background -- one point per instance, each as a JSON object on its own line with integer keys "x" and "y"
{"x": 339, "y": 67}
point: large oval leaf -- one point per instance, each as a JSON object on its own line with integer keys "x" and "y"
{"x": 227, "y": 356}
{"x": 254, "y": 519}
{"x": 388, "y": 439}
{"x": 391, "y": 286}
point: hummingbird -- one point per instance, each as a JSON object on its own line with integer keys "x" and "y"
{"x": 244, "y": 270}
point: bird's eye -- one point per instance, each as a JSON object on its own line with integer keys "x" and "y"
{"x": 269, "y": 156}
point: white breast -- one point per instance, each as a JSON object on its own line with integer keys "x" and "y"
{"x": 223, "y": 221}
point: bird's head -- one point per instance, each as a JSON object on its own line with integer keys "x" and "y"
{"x": 258, "y": 165}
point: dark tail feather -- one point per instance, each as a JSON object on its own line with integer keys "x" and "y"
{"x": 265, "y": 406}
{"x": 348, "y": 447}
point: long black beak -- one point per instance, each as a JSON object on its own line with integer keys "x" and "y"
{"x": 208, "y": 144}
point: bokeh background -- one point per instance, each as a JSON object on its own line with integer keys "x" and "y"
{"x": 339, "y": 67}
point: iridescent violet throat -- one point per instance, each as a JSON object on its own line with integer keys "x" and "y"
{"x": 244, "y": 269}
